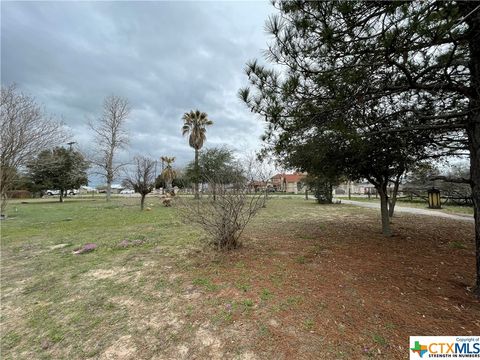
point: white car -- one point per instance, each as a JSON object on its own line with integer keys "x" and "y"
{"x": 127, "y": 191}
{"x": 57, "y": 192}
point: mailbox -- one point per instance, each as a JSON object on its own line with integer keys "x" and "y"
{"x": 434, "y": 199}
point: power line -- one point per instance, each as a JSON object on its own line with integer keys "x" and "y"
{"x": 463, "y": 18}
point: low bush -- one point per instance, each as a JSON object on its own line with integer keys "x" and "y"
{"x": 19, "y": 194}
{"x": 223, "y": 217}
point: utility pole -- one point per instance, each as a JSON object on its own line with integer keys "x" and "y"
{"x": 163, "y": 168}
{"x": 70, "y": 144}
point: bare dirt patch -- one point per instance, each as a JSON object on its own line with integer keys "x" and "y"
{"x": 339, "y": 289}
{"x": 101, "y": 274}
{"x": 120, "y": 274}
{"x": 123, "y": 349}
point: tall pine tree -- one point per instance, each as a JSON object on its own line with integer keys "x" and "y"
{"x": 379, "y": 72}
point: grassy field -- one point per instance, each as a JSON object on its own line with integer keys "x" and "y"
{"x": 310, "y": 282}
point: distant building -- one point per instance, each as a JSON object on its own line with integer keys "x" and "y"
{"x": 357, "y": 188}
{"x": 115, "y": 188}
{"x": 87, "y": 190}
{"x": 290, "y": 183}
{"x": 360, "y": 188}
{"x": 277, "y": 181}
{"x": 256, "y": 186}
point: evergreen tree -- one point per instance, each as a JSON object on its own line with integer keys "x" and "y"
{"x": 58, "y": 169}
{"x": 377, "y": 72}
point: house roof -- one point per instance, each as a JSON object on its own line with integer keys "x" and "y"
{"x": 296, "y": 177}
{"x": 290, "y": 178}
{"x": 258, "y": 183}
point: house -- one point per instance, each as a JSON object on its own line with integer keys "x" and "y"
{"x": 277, "y": 181}
{"x": 291, "y": 183}
{"x": 354, "y": 188}
{"x": 115, "y": 188}
{"x": 87, "y": 190}
{"x": 255, "y": 186}
{"x": 360, "y": 188}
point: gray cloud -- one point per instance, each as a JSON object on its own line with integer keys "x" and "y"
{"x": 165, "y": 57}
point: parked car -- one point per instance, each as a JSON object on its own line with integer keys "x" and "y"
{"x": 57, "y": 192}
{"x": 127, "y": 191}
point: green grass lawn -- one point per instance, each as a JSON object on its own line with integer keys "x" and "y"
{"x": 167, "y": 296}
{"x": 60, "y": 302}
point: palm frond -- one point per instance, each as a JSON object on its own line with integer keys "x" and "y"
{"x": 195, "y": 123}
{"x": 185, "y": 129}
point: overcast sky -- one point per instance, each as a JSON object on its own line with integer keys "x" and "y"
{"x": 165, "y": 57}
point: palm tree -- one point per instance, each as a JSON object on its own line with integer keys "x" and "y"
{"x": 168, "y": 173}
{"x": 195, "y": 123}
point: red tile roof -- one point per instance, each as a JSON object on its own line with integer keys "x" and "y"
{"x": 296, "y": 177}
{"x": 290, "y": 178}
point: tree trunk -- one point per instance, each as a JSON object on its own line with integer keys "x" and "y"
{"x": 197, "y": 175}
{"x": 142, "y": 202}
{"x": 61, "y": 196}
{"x": 382, "y": 190}
{"x": 474, "y": 144}
{"x": 109, "y": 190}
{"x": 265, "y": 198}
{"x": 393, "y": 198}
{"x": 3, "y": 205}
{"x": 473, "y": 126}
{"x": 3, "y": 193}
{"x": 109, "y": 173}
{"x": 473, "y": 132}
{"x": 6, "y": 178}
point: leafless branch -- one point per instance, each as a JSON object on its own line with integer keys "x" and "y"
{"x": 141, "y": 178}
{"x": 110, "y": 136}
{"x": 25, "y": 130}
{"x": 224, "y": 218}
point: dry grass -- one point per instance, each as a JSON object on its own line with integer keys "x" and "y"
{"x": 311, "y": 281}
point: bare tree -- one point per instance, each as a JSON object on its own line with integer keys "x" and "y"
{"x": 142, "y": 177}
{"x": 25, "y": 130}
{"x": 110, "y": 136}
{"x": 258, "y": 170}
{"x": 225, "y": 218}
